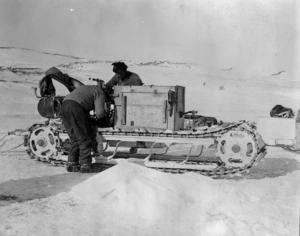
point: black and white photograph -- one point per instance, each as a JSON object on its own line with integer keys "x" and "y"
{"x": 149, "y": 117}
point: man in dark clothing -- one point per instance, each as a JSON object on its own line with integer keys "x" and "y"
{"x": 122, "y": 76}
{"x": 76, "y": 118}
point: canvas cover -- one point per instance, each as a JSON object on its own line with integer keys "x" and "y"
{"x": 46, "y": 85}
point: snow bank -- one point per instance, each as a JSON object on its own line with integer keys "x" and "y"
{"x": 132, "y": 185}
{"x": 190, "y": 203}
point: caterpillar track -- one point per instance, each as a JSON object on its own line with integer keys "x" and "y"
{"x": 223, "y": 150}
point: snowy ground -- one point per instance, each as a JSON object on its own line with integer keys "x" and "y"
{"x": 129, "y": 199}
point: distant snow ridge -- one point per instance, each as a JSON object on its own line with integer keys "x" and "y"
{"x": 47, "y": 53}
{"x": 6, "y": 75}
{"x": 163, "y": 63}
{"x": 26, "y": 69}
{"x": 82, "y": 62}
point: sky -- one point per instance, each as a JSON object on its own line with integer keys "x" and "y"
{"x": 249, "y": 35}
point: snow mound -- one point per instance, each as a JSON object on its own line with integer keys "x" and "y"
{"x": 133, "y": 193}
{"x": 129, "y": 187}
{"x": 126, "y": 176}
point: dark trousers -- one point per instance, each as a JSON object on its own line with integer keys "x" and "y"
{"x": 82, "y": 136}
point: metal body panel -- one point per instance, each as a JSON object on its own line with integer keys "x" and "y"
{"x": 206, "y": 142}
{"x": 150, "y": 107}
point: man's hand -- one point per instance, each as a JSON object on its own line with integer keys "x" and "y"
{"x": 93, "y": 120}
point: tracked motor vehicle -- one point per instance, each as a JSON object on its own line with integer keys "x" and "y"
{"x": 150, "y": 123}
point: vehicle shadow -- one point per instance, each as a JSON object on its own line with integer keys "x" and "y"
{"x": 39, "y": 187}
{"x": 271, "y": 168}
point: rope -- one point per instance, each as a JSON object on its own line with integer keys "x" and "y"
{"x": 17, "y": 130}
{"x": 3, "y": 137}
{"x": 9, "y": 150}
{"x": 14, "y": 132}
{"x": 289, "y": 148}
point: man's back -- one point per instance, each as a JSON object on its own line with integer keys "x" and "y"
{"x": 129, "y": 79}
{"x": 87, "y": 96}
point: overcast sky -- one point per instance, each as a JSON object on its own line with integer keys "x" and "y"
{"x": 251, "y": 35}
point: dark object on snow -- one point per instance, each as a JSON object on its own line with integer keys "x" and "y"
{"x": 281, "y": 111}
{"x": 198, "y": 120}
{"x": 205, "y": 121}
{"x": 278, "y": 73}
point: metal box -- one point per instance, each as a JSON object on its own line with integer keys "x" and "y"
{"x": 149, "y": 107}
{"x": 276, "y": 131}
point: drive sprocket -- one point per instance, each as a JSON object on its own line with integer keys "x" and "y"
{"x": 237, "y": 148}
{"x": 43, "y": 142}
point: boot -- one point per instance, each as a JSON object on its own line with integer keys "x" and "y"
{"x": 86, "y": 168}
{"x": 73, "y": 166}
{"x": 93, "y": 168}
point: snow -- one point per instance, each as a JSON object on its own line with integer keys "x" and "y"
{"x": 130, "y": 199}
{"x": 207, "y": 206}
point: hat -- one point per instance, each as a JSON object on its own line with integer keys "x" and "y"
{"x": 120, "y": 65}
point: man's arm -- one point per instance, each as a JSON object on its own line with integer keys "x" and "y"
{"x": 113, "y": 81}
{"x": 46, "y": 86}
{"x": 100, "y": 106}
